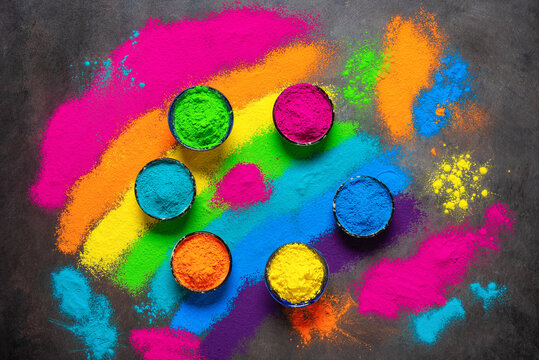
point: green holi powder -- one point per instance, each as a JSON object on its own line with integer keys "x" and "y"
{"x": 361, "y": 72}
{"x": 268, "y": 151}
{"x": 200, "y": 118}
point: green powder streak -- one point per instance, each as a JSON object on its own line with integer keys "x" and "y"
{"x": 200, "y": 117}
{"x": 361, "y": 71}
{"x": 269, "y": 151}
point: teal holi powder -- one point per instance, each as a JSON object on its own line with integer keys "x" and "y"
{"x": 200, "y": 118}
{"x": 452, "y": 84}
{"x": 363, "y": 206}
{"x": 489, "y": 295}
{"x": 165, "y": 188}
{"x": 89, "y": 314}
{"x": 429, "y": 325}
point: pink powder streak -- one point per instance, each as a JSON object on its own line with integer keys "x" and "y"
{"x": 243, "y": 185}
{"x": 423, "y": 279}
{"x": 165, "y": 343}
{"x": 167, "y": 58}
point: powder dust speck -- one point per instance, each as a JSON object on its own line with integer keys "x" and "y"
{"x": 457, "y": 182}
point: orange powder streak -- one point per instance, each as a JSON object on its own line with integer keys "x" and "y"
{"x": 148, "y": 137}
{"x": 201, "y": 262}
{"x": 412, "y": 51}
{"x": 468, "y": 117}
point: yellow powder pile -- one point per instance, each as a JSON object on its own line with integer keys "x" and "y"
{"x": 296, "y": 273}
{"x": 457, "y": 181}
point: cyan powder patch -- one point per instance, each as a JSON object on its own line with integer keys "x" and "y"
{"x": 432, "y": 107}
{"x": 489, "y": 294}
{"x": 429, "y": 325}
{"x": 89, "y": 313}
{"x": 314, "y": 219}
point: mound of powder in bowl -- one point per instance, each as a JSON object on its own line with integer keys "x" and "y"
{"x": 200, "y": 118}
{"x": 303, "y": 113}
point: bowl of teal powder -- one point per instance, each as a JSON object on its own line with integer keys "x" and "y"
{"x": 363, "y": 207}
{"x": 165, "y": 189}
{"x": 200, "y": 118}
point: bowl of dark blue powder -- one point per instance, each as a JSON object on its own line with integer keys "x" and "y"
{"x": 363, "y": 207}
{"x": 165, "y": 189}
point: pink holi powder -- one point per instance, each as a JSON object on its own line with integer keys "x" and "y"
{"x": 423, "y": 279}
{"x": 243, "y": 185}
{"x": 165, "y": 343}
{"x": 166, "y": 58}
{"x": 303, "y": 113}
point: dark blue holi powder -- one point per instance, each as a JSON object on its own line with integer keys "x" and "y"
{"x": 164, "y": 188}
{"x": 363, "y": 206}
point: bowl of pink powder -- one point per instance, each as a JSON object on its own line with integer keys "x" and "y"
{"x": 303, "y": 114}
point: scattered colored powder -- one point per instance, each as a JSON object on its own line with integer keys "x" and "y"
{"x": 321, "y": 318}
{"x": 303, "y": 113}
{"x": 242, "y": 186}
{"x": 305, "y": 215}
{"x": 452, "y": 84}
{"x": 393, "y": 286}
{"x": 361, "y": 72}
{"x": 165, "y": 343}
{"x": 411, "y": 52}
{"x": 169, "y": 57}
{"x": 489, "y": 294}
{"x": 201, "y": 262}
{"x": 428, "y": 326}
{"x": 296, "y": 273}
{"x": 165, "y": 188}
{"x": 152, "y": 248}
{"x": 201, "y": 118}
{"x": 241, "y": 323}
{"x": 98, "y": 191}
{"x": 433, "y": 151}
{"x": 363, "y": 206}
{"x": 457, "y": 182}
{"x": 89, "y": 313}
{"x": 468, "y": 117}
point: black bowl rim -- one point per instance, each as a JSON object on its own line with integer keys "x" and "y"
{"x": 171, "y": 116}
{"x": 186, "y": 237}
{"x": 284, "y": 302}
{"x": 166, "y": 159}
{"x": 311, "y": 142}
{"x": 368, "y": 235}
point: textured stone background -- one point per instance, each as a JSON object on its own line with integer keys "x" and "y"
{"x": 41, "y": 38}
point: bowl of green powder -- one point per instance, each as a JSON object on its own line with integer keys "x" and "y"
{"x": 200, "y": 118}
{"x": 165, "y": 189}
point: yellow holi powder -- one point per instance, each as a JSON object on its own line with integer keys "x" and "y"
{"x": 122, "y": 226}
{"x": 457, "y": 181}
{"x": 296, "y": 273}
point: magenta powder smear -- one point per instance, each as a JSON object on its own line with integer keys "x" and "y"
{"x": 167, "y": 58}
{"x": 165, "y": 343}
{"x": 242, "y": 186}
{"x": 303, "y": 113}
{"x": 422, "y": 280}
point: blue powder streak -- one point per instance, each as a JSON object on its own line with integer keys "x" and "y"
{"x": 363, "y": 206}
{"x": 488, "y": 295}
{"x": 164, "y": 189}
{"x": 429, "y": 325}
{"x": 199, "y": 312}
{"x": 452, "y": 84}
{"x": 89, "y": 313}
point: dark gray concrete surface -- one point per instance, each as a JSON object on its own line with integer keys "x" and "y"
{"x": 40, "y": 39}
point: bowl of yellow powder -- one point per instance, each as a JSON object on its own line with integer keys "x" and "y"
{"x": 296, "y": 275}
{"x": 200, "y": 118}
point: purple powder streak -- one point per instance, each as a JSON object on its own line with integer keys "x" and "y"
{"x": 254, "y": 303}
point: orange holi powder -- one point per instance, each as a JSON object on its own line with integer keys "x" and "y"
{"x": 200, "y": 262}
{"x": 468, "y": 117}
{"x": 320, "y": 318}
{"x": 148, "y": 137}
{"x": 412, "y": 49}
{"x": 440, "y": 111}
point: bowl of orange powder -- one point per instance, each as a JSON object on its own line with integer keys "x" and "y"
{"x": 201, "y": 262}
